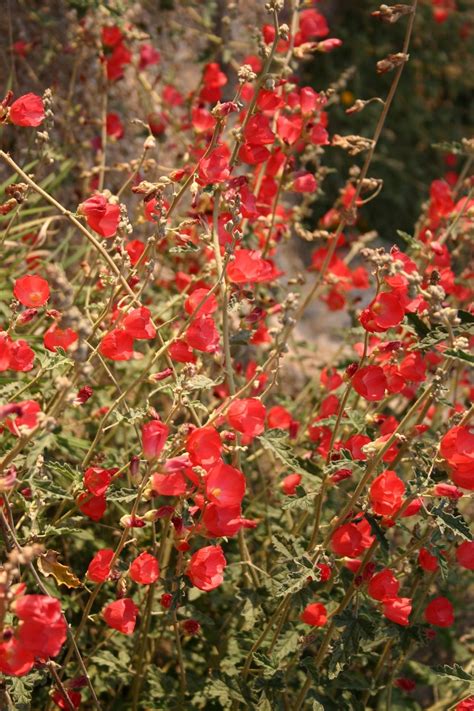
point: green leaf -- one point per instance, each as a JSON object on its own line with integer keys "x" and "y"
{"x": 407, "y": 238}
{"x": 455, "y": 522}
{"x": 276, "y": 442}
{"x": 281, "y": 548}
{"x": 422, "y": 330}
{"x": 460, "y": 354}
{"x": 200, "y": 382}
{"x": 351, "y": 680}
{"x": 21, "y": 690}
{"x": 450, "y": 147}
{"x": 286, "y": 645}
{"x": 305, "y": 502}
{"x": 71, "y": 443}
{"x": 122, "y": 495}
{"x": 454, "y": 672}
{"x": 249, "y": 616}
{"x": 53, "y": 491}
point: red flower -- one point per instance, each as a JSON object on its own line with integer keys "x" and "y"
{"x": 330, "y": 379}
{"x": 318, "y": 135}
{"x": 370, "y": 382}
{"x": 206, "y": 568}
{"x": 172, "y": 484}
{"x": 15, "y": 660}
{"x": 386, "y": 493}
{"x": 439, "y": 612}
{"x": 21, "y": 356}
{"x": 92, "y": 506}
{"x": 137, "y": 323}
{"x": 269, "y": 101}
{"x": 258, "y": 131}
{"x": 313, "y": 24}
{"x": 383, "y": 585}
{"x": 278, "y": 417}
{"x": 99, "y": 567}
{"x": 103, "y": 217}
{"x": 202, "y": 120}
{"x": 74, "y": 698}
{"x": 215, "y": 167}
{"x": 154, "y": 435}
{"x": 117, "y": 345}
{"x": 224, "y": 521}
{"x": 43, "y": 630}
{"x": 148, "y": 56}
{"x": 384, "y": 312}
{"x": 310, "y": 100}
{"x": 213, "y": 79}
{"x": 55, "y": 338}
{"x": 427, "y": 561}
{"x": 191, "y": 627}
{"x": 248, "y": 267}
{"x": 397, "y": 609}
{"x": 465, "y": 555}
{"x": 166, "y": 601}
{"x": 413, "y": 367}
{"x": 121, "y": 615}
{"x": 204, "y": 446}
{"x": 314, "y": 614}
{"x": 347, "y": 540}
{"x": 27, "y": 417}
{"x": 27, "y": 110}
{"x": 225, "y": 485}
{"x": 405, "y": 684}
{"x": 145, "y": 569}
{"x": 253, "y": 154}
{"x": 247, "y": 415}
{"x": 457, "y": 447}
{"x": 115, "y": 63}
{"x": 192, "y": 303}
{"x": 135, "y": 249}
{"x": 31, "y": 290}
{"x": 181, "y": 353}
{"x": 289, "y": 128}
{"x": 97, "y": 480}
{"x": 324, "y": 572}
{"x": 83, "y": 395}
{"x": 111, "y": 36}
{"x": 202, "y": 335}
{"x": 305, "y": 183}
{"x": 448, "y": 490}
{"x": 114, "y": 126}
{"x": 290, "y": 483}
{"x": 5, "y": 352}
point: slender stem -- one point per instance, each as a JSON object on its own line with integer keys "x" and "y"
{"x": 179, "y": 650}
{"x": 67, "y": 699}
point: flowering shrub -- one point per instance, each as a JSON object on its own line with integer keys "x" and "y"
{"x": 200, "y": 509}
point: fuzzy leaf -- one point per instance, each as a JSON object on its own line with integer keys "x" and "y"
{"x": 455, "y": 522}
{"x": 454, "y": 672}
{"x": 459, "y": 354}
{"x": 199, "y": 382}
{"x": 276, "y": 442}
